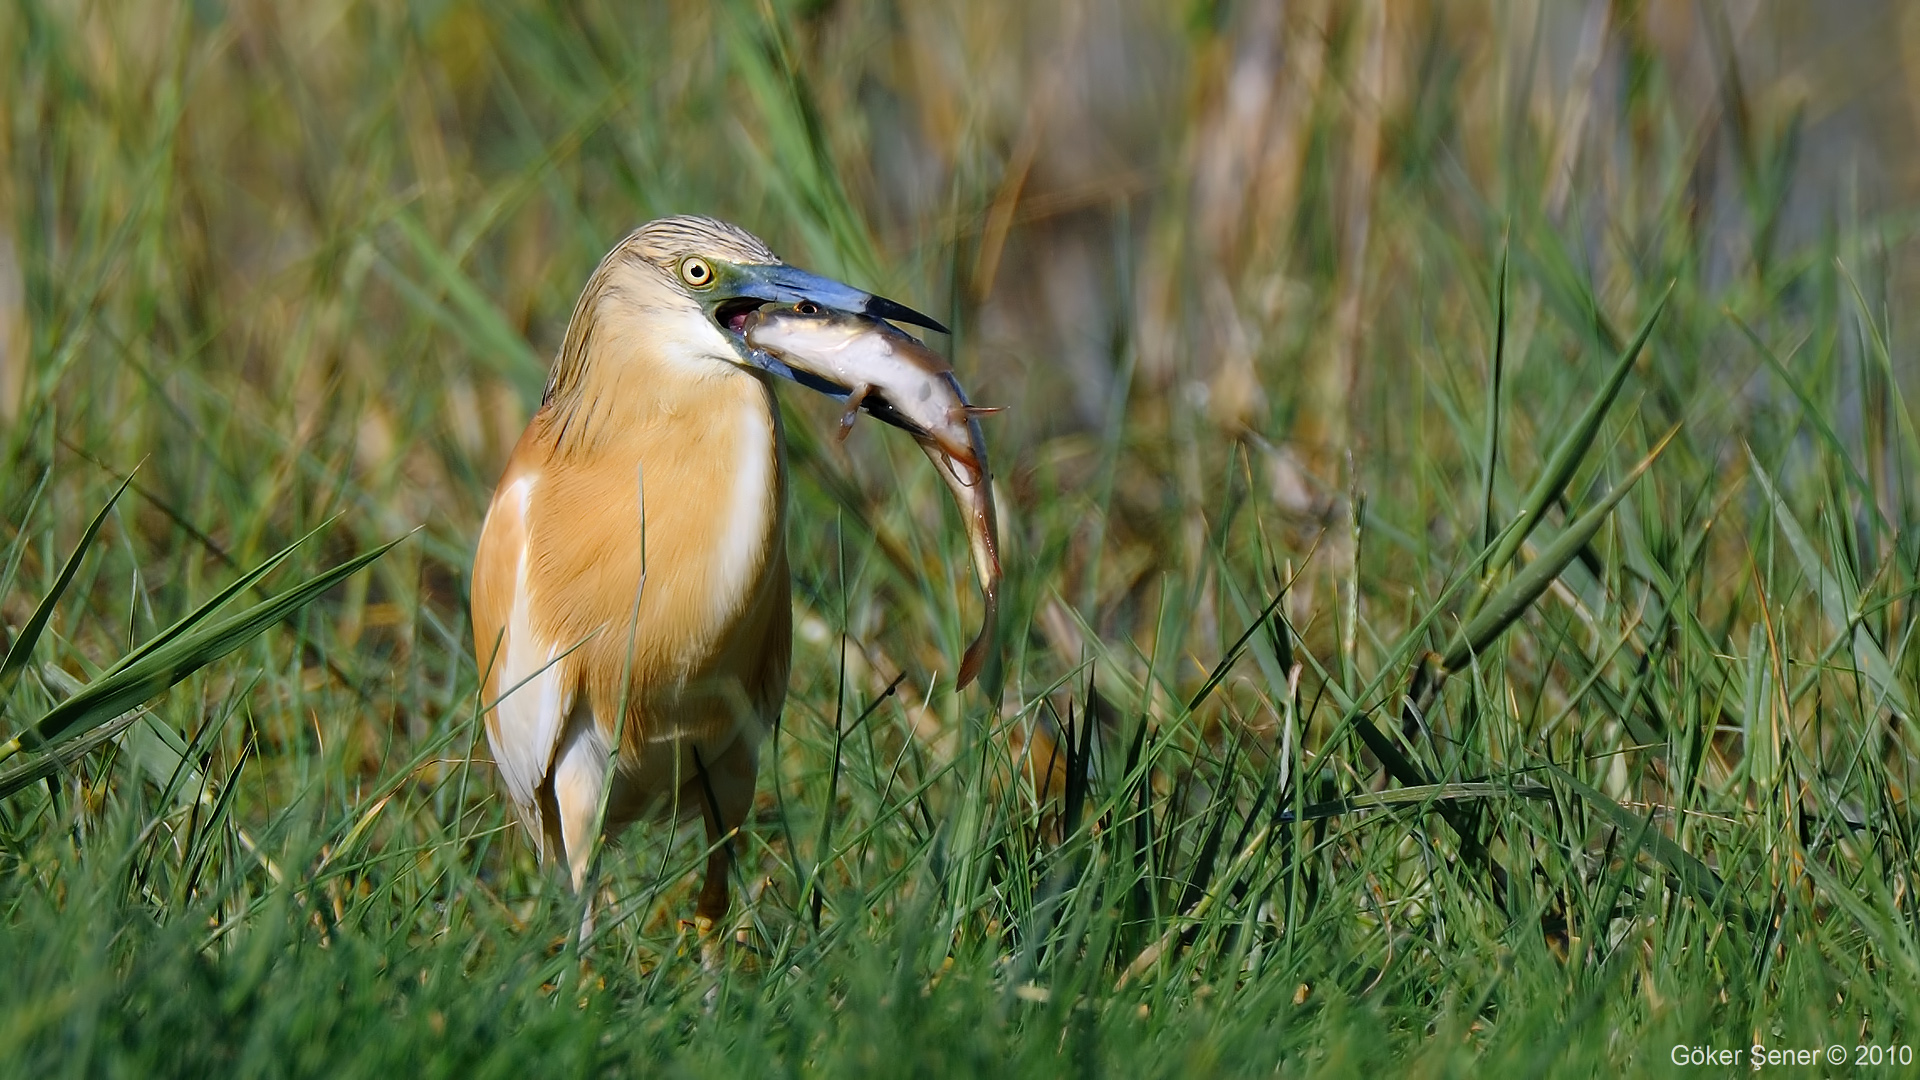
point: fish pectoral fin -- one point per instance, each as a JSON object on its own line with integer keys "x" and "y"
{"x": 854, "y": 398}
{"x": 964, "y": 464}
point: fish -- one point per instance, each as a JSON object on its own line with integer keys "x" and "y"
{"x": 871, "y": 365}
{"x": 973, "y": 495}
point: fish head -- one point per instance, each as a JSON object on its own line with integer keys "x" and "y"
{"x": 807, "y": 328}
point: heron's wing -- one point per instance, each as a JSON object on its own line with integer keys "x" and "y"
{"x": 524, "y": 677}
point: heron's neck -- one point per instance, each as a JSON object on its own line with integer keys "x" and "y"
{"x": 624, "y": 381}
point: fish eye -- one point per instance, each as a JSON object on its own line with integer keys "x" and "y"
{"x": 696, "y": 271}
{"x": 807, "y": 307}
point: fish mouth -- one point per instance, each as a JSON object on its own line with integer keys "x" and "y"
{"x": 732, "y": 314}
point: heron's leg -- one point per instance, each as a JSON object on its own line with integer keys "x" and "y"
{"x": 578, "y": 777}
{"x": 722, "y": 786}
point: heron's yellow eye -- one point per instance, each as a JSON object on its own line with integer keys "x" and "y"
{"x": 696, "y": 271}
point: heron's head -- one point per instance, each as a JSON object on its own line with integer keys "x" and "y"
{"x": 687, "y": 284}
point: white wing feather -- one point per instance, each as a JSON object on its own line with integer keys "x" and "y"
{"x": 529, "y": 682}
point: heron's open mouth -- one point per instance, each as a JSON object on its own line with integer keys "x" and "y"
{"x": 732, "y": 314}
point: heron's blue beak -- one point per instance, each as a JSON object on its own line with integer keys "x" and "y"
{"x": 743, "y": 288}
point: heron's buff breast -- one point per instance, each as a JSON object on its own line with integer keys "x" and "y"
{"x": 711, "y": 639}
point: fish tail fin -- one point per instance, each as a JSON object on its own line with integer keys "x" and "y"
{"x": 975, "y": 658}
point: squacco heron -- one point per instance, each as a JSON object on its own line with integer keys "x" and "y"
{"x": 631, "y": 597}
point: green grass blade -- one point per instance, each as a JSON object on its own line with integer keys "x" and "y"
{"x": 1692, "y": 873}
{"x": 1811, "y": 411}
{"x": 1520, "y": 593}
{"x": 1225, "y": 666}
{"x": 1834, "y": 602}
{"x": 37, "y": 767}
{"x": 1423, "y": 796}
{"x": 1883, "y": 355}
{"x": 220, "y": 599}
{"x": 1565, "y": 460}
{"x": 798, "y": 164}
{"x": 1490, "y": 453}
{"x": 18, "y": 549}
{"x": 36, "y": 624}
{"x": 472, "y": 318}
{"x": 130, "y": 684}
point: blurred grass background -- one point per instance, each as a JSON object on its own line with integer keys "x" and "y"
{"x": 1235, "y": 269}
